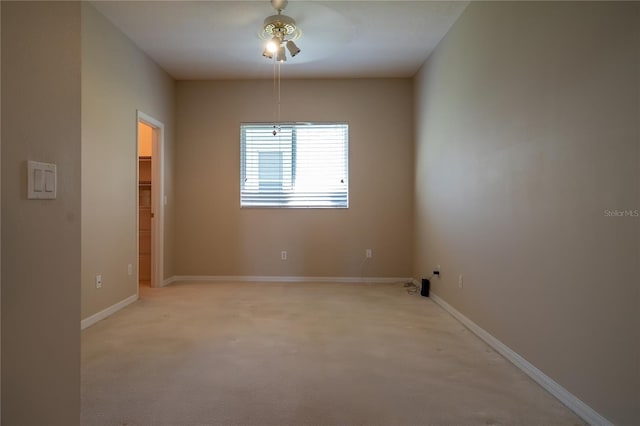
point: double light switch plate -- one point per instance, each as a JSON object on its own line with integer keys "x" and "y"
{"x": 41, "y": 181}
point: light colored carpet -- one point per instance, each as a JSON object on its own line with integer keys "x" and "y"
{"x": 299, "y": 354}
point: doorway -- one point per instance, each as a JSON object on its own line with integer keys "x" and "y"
{"x": 145, "y": 183}
{"x": 150, "y": 201}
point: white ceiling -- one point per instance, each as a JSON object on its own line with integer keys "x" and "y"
{"x": 340, "y": 39}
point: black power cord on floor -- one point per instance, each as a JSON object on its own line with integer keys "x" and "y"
{"x": 413, "y": 289}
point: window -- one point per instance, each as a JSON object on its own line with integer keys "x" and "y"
{"x": 303, "y": 165}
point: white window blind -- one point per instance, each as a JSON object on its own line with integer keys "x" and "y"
{"x": 303, "y": 165}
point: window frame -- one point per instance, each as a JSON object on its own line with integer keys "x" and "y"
{"x": 293, "y": 169}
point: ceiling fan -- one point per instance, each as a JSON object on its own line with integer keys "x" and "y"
{"x": 281, "y": 31}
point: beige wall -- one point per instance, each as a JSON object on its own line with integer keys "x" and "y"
{"x": 213, "y": 236}
{"x": 40, "y": 238}
{"x": 117, "y": 80}
{"x": 638, "y": 292}
{"x": 0, "y": 213}
{"x": 526, "y": 132}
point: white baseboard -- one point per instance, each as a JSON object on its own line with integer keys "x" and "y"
{"x": 168, "y": 281}
{"x": 288, "y": 279}
{"x": 572, "y": 402}
{"x": 88, "y": 322}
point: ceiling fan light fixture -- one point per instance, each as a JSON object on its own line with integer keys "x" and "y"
{"x": 267, "y": 53}
{"x": 282, "y": 56}
{"x": 273, "y": 45}
{"x": 280, "y": 24}
{"x": 293, "y": 49}
{"x": 280, "y": 30}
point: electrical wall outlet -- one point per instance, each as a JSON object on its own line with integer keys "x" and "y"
{"x": 98, "y": 281}
{"x": 368, "y": 253}
{"x": 283, "y": 255}
{"x": 436, "y": 271}
{"x": 460, "y": 281}
{"x": 129, "y": 269}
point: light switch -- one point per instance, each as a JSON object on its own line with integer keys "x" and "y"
{"x": 49, "y": 181}
{"x": 41, "y": 180}
{"x": 38, "y": 180}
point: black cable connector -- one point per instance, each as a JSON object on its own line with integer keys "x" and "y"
{"x": 437, "y": 273}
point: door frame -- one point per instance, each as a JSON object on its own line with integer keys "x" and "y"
{"x": 158, "y": 200}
